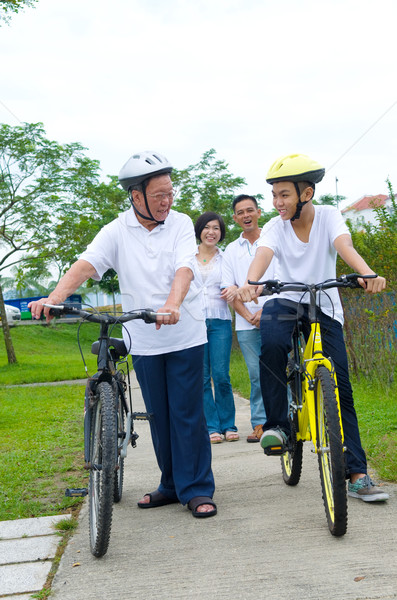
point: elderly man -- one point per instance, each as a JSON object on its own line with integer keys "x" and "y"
{"x": 152, "y": 249}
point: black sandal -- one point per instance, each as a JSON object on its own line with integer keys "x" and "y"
{"x": 194, "y": 503}
{"x": 156, "y": 499}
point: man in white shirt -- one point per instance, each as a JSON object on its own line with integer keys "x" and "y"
{"x": 236, "y": 261}
{"x": 152, "y": 249}
{"x": 305, "y": 239}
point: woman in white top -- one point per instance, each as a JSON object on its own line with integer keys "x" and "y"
{"x": 218, "y": 406}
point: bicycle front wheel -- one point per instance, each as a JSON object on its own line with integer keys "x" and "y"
{"x": 103, "y": 444}
{"x": 330, "y": 452}
{"x": 121, "y": 433}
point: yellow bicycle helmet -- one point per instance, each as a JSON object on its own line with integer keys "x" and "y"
{"x": 295, "y": 168}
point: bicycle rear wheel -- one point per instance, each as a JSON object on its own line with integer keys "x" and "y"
{"x": 291, "y": 461}
{"x": 103, "y": 444}
{"x": 330, "y": 452}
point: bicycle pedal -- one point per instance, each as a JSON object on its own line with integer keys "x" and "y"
{"x": 76, "y": 492}
{"x": 276, "y": 450}
{"x": 141, "y": 416}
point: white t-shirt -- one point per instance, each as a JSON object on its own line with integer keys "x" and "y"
{"x": 235, "y": 264}
{"x": 311, "y": 262}
{"x": 146, "y": 263}
{"x": 207, "y": 280}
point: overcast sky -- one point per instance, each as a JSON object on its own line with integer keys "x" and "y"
{"x": 253, "y": 79}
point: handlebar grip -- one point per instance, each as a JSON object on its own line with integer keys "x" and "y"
{"x": 150, "y": 318}
{"x": 56, "y": 312}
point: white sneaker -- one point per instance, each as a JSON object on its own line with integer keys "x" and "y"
{"x": 273, "y": 437}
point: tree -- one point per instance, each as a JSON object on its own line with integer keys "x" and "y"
{"x": 209, "y": 186}
{"x": 329, "y": 199}
{"x": 8, "y": 7}
{"x": 48, "y": 191}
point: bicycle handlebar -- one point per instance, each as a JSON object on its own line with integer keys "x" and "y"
{"x": 273, "y": 286}
{"x": 147, "y": 314}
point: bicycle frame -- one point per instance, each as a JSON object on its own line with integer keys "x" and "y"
{"x": 313, "y": 357}
{"x": 108, "y": 364}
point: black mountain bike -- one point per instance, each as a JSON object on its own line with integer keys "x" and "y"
{"x": 108, "y": 420}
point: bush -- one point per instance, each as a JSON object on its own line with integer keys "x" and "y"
{"x": 371, "y": 334}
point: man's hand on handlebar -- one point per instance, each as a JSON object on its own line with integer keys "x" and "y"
{"x": 37, "y": 308}
{"x": 373, "y": 286}
{"x": 247, "y": 293}
{"x": 171, "y": 318}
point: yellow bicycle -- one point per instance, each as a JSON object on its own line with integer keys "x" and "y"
{"x": 314, "y": 408}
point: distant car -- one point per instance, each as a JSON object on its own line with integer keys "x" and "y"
{"x": 13, "y": 313}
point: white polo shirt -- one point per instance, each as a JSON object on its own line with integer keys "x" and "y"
{"x": 146, "y": 263}
{"x": 309, "y": 262}
{"x": 236, "y": 261}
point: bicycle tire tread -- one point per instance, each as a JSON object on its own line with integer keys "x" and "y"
{"x": 101, "y": 484}
{"x": 336, "y": 515}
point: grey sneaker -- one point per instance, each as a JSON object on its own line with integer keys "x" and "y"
{"x": 365, "y": 489}
{"x": 273, "y": 437}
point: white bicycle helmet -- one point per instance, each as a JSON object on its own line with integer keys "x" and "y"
{"x": 142, "y": 166}
{"x": 137, "y": 170}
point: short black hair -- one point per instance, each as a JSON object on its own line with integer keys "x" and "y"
{"x": 206, "y": 218}
{"x": 242, "y": 197}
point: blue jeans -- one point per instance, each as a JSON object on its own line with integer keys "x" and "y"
{"x": 172, "y": 388}
{"x": 219, "y": 412}
{"x": 250, "y": 344}
{"x": 277, "y": 322}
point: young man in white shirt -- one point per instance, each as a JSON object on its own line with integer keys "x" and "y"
{"x": 236, "y": 261}
{"x": 152, "y": 248}
{"x": 305, "y": 239}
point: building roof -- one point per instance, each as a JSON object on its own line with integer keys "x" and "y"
{"x": 367, "y": 203}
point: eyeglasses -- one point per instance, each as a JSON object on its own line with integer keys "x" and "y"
{"x": 163, "y": 196}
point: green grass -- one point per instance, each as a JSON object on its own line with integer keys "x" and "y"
{"x": 376, "y": 409}
{"x": 41, "y": 428}
{"x": 41, "y": 449}
{"x": 239, "y": 374}
{"x": 49, "y": 352}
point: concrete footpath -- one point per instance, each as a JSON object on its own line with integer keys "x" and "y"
{"x": 27, "y": 549}
{"x": 267, "y": 541}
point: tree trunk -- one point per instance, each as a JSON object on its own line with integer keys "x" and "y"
{"x": 6, "y": 331}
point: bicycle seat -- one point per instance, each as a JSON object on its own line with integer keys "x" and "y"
{"x": 117, "y": 343}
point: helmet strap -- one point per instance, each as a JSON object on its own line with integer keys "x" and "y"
{"x": 150, "y": 217}
{"x": 300, "y": 204}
